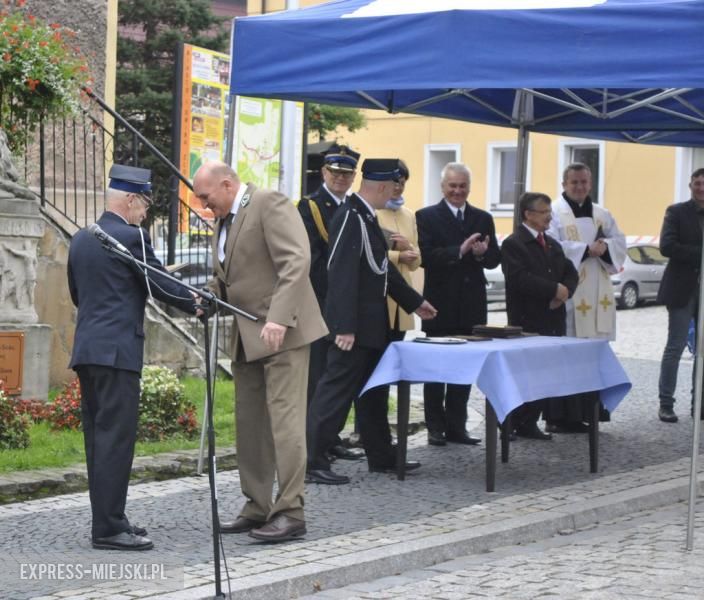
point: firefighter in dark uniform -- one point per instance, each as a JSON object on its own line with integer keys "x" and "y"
{"x": 359, "y": 278}
{"x": 317, "y": 210}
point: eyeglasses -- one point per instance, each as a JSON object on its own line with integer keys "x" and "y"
{"x": 342, "y": 174}
{"x": 540, "y": 212}
{"x": 145, "y": 199}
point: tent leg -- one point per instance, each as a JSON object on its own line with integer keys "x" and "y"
{"x": 696, "y": 415}
{"x": 519, "y": 185}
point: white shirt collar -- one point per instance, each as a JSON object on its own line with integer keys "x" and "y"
{"x": 369, "y": 206}
{"x": 335, "y": 198}
{"x": 238, "y": 198}
{"x": 533, "y": 231}
{"x": 454, "y": 209}
{"x": 119, "y": 215}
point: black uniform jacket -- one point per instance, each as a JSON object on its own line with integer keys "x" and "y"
{"x": 681, "y": 242}
{"x": 455, "y": 286}
{"x": 532, "y": 275}
{"x": 110, "y": 295}
{"x": 356, "y": 300}
{"x": 327, "y": 205}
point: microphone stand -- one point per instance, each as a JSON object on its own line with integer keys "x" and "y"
{"x": 210, "y": 298}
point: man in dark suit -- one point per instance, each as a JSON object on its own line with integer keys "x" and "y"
{"x": 457, "y": 242}
{"x": 110, "y": 294}
{"x": 539, "y": 280}
{"x": 359, "y": 278}
{"x": 263, "y": 268}
{"x": 338, "y": 171}
{"x": 681, "y": 242}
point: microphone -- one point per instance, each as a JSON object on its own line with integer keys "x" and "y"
{"x": 106, "y": 239}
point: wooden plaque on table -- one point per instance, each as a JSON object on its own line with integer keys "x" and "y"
{"x": 11, "y": 360}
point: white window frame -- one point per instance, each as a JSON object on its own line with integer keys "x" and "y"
{"x": 431, "y": 179}
{"x": 684, "y": 167}
{"x": 493, "y": 175}
{"x": 564, "y": 158}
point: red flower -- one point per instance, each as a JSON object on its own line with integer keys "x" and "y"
{"x": 7, "y": 57}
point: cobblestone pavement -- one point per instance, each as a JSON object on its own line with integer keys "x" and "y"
{"x": 638, "y": 557}
{"x": 375, "y": 526}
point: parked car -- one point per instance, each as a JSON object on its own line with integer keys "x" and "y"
{"x": 495, "y": 285}
{"x": 639, "y": 278}
{"x": 193, "y": 265}
{"x": 637, "y": 281}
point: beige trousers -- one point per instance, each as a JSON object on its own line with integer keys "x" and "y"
{"x": 270, "y": 413}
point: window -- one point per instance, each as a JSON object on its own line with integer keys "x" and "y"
{"x": 501, "y": 176}
{"x": 592, "y": 155}
{"x": 502, "y": 161}
{"x": 653, "y": 256}
{"x": 687, "y": 160}
{"x": 436, "y": 157}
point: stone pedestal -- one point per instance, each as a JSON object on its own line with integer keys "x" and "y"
{"x": 35, "y": 367}
{"x": 21, "y": 229}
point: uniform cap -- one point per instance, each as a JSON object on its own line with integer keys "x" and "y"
{"x": 130, "y": 179}
{"x": 341, "y": 158}
{"x": 381, "y": 169}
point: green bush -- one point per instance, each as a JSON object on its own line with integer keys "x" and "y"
{"x": 163, "y": 408}
{"x": 14, "y": 428}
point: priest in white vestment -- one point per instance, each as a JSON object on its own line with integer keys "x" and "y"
{"x": 593, "y": 242}
{"x": 591, "y": 239}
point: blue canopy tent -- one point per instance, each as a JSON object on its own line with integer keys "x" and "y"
{"x": 625, "y": 70}
{"x": 629, "y": 70}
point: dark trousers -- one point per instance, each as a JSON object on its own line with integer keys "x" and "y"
{"x": 345, "y": 375}
{"x": 316, "y": 366}
{"x": 109, "y": 409}
{"x": 446, "y": 407}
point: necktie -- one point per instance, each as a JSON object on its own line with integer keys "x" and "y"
{"x": 226, "y": 224}
{"x": 460, "y": 217}
{"x": 541, "y": 241}
{"x": 225, "y": 230}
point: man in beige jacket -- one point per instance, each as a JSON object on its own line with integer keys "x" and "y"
{"x": 263, "y": 260}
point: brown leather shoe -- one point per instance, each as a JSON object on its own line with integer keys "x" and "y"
{"x": 280, "y": 529}
{"x": 240, "y": 525}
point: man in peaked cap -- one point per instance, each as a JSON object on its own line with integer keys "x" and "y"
{"x": 317, "y": 210}
{"x": 359, "y": 276}
{"x": 110, "y": 294}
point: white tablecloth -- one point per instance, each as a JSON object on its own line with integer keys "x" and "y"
{"x": 510, "y": 372}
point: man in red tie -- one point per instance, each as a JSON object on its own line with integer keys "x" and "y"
{"x": 539, "y": 280}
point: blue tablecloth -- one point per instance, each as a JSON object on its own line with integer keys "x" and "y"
{"x": 510, "y": 372}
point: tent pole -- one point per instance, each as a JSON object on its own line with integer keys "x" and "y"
{"x": 519, "y": 185}
{"x": 289, "y": 141}
{"x": 696, "y": 414}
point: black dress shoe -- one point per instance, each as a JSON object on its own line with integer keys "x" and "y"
{"x": 436, "y": 438}
{"x": 411, "y": 465}
{"x": 325, "y": 477}
{"x": 462, "y": 438}
{"x": 240, "y": 525}
{"x": 567, "y": 427}
{"x": 532, "y": 432}
{"x": 137, "y": 530}
{"x": 343, "y": 453}
{"x": 123, "y": 541}
{"x": 280, "y": 529}
{"x": 667, "y": 414}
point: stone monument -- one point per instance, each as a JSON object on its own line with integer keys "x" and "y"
{"x": 21, "y": 229}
